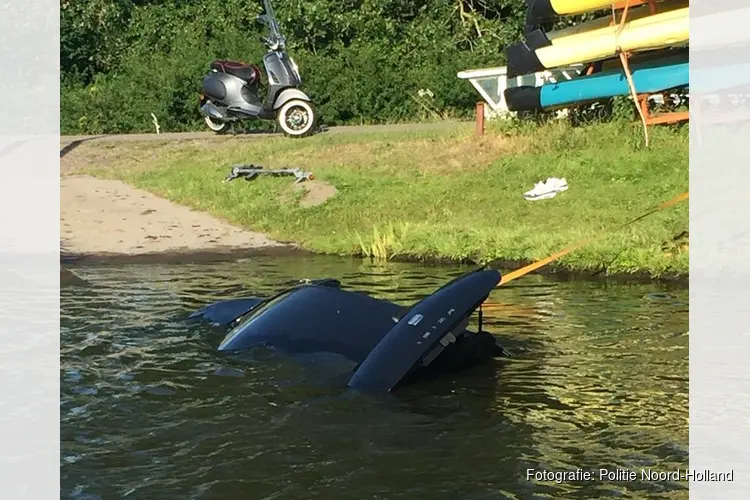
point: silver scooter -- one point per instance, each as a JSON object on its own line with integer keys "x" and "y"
{"x": 230, "y": 91}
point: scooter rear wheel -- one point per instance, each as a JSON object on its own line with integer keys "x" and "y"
{"x": 216, "y": 126}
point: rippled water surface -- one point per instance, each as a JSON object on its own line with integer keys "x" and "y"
{"x": 150, "y": 410}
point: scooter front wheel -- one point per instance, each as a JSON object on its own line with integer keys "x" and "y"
{"x": 217, "y": 126}
{"x": 297, "y": 118}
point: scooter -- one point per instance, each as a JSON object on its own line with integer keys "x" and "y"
{"x": 230, "y": 91}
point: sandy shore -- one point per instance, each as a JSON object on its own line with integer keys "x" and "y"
{"x": 108, "y": 217}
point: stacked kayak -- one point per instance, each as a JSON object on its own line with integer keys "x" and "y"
{"x": 655, "y": 35}
{"x": 537, "y": 38}
{"x": 648, "y": 77}
{"x": 545, "y": 10}
{"x": 597, "y": 39}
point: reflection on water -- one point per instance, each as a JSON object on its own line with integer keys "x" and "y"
{"x": 150, "y": 410}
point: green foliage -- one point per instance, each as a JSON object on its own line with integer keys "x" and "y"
{"x": 361, "y": 60}
{"x": 91, "y": 36}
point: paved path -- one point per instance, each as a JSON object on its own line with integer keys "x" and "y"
{"x": 176, "y": 136}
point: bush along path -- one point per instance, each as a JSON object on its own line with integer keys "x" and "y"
{"x": 362, "y": 62}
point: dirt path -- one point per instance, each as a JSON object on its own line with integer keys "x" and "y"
{"x": 107, "y": 217}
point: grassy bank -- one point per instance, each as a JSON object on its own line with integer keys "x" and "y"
{"x": 443, "y": 193}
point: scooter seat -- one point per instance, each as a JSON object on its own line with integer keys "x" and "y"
{"x": 241, "y": 70}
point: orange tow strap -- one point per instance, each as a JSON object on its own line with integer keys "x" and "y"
{"x": 536, "y": 265}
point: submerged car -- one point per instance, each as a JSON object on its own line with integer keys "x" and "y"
{"x": 391, "y": 344}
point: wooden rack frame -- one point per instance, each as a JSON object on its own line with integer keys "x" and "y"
{"x": 642, "y": 101}
{"x": 660, "y": 118}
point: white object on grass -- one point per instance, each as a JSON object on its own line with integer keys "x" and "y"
{"x": 546, "y": 189}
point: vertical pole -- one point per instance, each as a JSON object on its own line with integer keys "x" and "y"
{"x": 643, "y": 103}
{"x": 480, "y": 118}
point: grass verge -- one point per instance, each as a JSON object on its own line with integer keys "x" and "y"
{"x": 442, "y": 193}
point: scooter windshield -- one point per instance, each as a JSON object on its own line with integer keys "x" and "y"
{"x": 273, "y": 25}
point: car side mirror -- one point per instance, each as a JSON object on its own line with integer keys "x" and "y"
{"x": 262, "y": 19}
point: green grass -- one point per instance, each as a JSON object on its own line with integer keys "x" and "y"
{"x": 447, "y": 194}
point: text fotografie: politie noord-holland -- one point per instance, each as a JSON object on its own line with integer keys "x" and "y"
{"x": 628, "y": 475}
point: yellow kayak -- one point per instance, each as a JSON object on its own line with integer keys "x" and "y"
{"x": 543, "y": 10}
{"x": 605, "y": 21}
{"x": 668, "y": 29}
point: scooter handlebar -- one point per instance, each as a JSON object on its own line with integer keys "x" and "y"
{"x": 273, "y": 43}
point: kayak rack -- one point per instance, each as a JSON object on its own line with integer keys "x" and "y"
{"x": 639, "y": 100}
{"x": 660, "y": 118}
{"x": 491, "y": 83}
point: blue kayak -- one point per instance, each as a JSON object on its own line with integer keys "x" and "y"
{"x": 648, "y": 77}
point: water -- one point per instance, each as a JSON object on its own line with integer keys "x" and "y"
{"x": 149, "y": 409}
